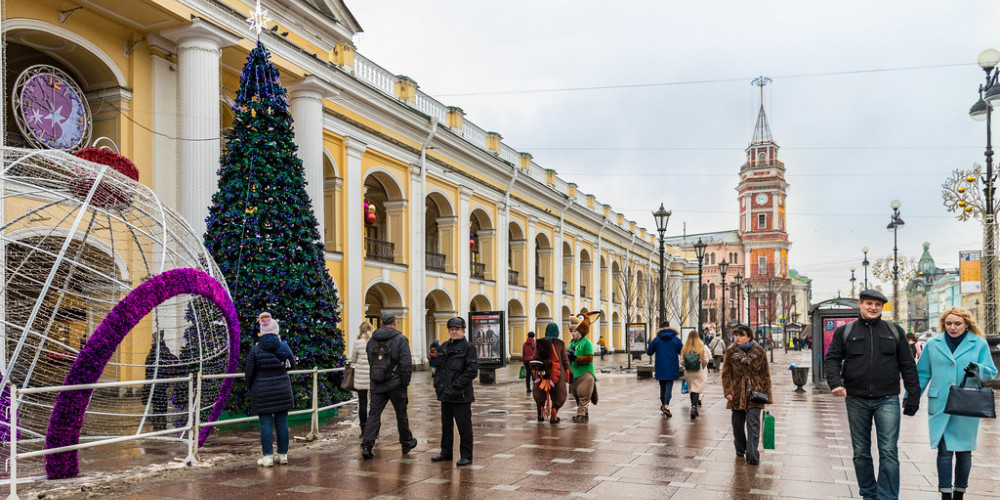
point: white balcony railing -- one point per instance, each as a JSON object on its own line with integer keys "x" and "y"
{"x": 374, "y": 75}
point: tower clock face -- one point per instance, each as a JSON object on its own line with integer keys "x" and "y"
{"x": 50, "y": 109}
{"x": 761, "y": 199}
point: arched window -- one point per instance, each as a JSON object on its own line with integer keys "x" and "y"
{"x": 713, "y": 258}
{"x": 711, "y": 291}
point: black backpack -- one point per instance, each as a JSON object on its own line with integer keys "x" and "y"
{"x": 381, "y": 365}
{"x": 692, "y": 361}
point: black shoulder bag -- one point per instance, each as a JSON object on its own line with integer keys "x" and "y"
{"x": 976, "y": 401}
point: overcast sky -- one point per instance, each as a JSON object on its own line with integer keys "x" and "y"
{"x": 642, "y": 102}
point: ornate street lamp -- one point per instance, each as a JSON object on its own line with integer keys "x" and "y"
{"x": 894, "y": 226}
{"x": 865, "y": 263}
{"x": 738, "y": 279}
{"x": 662, "y": 216}
{"x": 853, "y": 279}
{"x": 749, "y": 288}
{"x": 699, "y": 251}
{"x": 723, "y": 267}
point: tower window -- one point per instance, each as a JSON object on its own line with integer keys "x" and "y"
{"x": 762, "y": 157}
{"x": 761, "y": 221}
{"x": 761, "y": 265}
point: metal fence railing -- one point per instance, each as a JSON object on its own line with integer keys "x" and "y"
{"x": 192, "y": 428}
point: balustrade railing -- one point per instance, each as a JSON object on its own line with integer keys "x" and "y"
{"x": 374, "y": 75}
{"x": 435, "y": 261}
{"x": 379, "y": 250}
{"x": 479, "y": 270}
{"x": 512, "y": 277}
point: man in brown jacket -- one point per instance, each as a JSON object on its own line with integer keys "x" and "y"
{"x": 745, "y": 368}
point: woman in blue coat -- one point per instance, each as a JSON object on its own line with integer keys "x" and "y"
{"x": 945, "y": 360}
{"x": 667, "y": 347}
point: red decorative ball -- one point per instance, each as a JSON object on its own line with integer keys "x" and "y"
{"x": 111, "y": 159}
{"x": 111, "y": 192}
{"x": 472, "y": 242}
{"x": 370, "y": 218}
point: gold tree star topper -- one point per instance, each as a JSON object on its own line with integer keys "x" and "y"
{"x": 258, "y": 19}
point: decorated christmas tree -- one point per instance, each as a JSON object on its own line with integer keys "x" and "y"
{"x": 263, "y": 235}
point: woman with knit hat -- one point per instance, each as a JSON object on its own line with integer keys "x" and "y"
{"x": 551, "y": 376}
{"x": 266, "y": 373}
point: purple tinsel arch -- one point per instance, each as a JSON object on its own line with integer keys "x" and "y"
{"x": 71, "y": 406}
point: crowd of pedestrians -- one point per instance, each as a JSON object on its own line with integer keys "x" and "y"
{"x": 866, "y": 362}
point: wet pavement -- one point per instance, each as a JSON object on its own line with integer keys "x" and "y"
{"x": 626, "y": 450}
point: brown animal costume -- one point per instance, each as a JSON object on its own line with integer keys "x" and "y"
{"x": 584, "y": 385}
{"x": 551, "y": 351}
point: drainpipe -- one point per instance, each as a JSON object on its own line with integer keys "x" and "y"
{"x": 419, "y": 263}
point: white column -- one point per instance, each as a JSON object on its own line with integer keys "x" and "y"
{"x": 529, "y": 276}
{"x": 164, "y": 117}
{"x": 354, "y": 246}
{"x": 306, "y": 106}
{"x": 557, "y": 272}
{"x": 463, "y": 267}
{"x": 199, "y": 47}
{"x": 502, "y": 241}
{"x": 417, "y": 273}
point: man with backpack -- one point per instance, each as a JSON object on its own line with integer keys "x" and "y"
{"x": 864, "y": 364}
{"x": 666, "y": 347}
{"x": 390, "y": 367}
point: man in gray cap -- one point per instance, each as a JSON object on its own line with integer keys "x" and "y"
{"x": 864, "y": 363}
{"x": 457, "y": 368}
{"x": 389, "y": 370}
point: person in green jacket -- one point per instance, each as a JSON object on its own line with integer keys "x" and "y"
{"x": 584, "y": 385}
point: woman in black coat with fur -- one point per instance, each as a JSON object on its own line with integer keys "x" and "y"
{"x": 266, "y": 371}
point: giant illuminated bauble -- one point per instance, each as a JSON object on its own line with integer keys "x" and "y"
{"x": 70, "y": 256}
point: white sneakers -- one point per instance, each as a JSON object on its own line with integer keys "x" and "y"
{"x": 271, "y": 460}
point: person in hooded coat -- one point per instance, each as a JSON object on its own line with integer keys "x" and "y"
{"x": 160, "y": 363}
{"x": 266, "y": 373}
{"x": 667, "y": 348}
{"x": 551, "y": 352}
{"x": 946, "y": 359}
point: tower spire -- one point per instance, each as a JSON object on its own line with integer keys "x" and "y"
{"x": 761, "y": 131}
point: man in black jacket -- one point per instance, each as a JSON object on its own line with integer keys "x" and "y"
{"x": 392, "y": 389}
{"x": 864, "y": 363}
{"x": 457, "y": 368}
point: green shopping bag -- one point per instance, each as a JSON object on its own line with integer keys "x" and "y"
{"x": 523, "y": 373}
{"x": 768, "y": 430}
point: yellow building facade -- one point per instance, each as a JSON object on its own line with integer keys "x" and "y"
{"x": 458, "y": 221}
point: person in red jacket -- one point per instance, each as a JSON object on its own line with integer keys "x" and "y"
{"x": 527, "y": 354}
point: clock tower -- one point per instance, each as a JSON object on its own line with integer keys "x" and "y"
{"x": 762, "y": 194}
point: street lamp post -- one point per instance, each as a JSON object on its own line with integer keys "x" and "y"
{"x": 662, "y": 216}
{"x": 738, "y": 279}
{"x": 699, "y": 251}
{"x": 723, "y": 267}
{"x": 853, "y": 279}
{"x": 988, "y": 94}
{"x": 894, "y": 226}
{"x": 749, "y": 288}
{"x": 865, "y": 263}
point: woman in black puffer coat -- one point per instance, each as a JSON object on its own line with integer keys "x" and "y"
{"x": 266, "y": 370}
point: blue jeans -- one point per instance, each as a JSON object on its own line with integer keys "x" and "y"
{"x": 963, "y": 466}
{"x": 666, "y": 388}
{"x": 278, "y": 422}
{"x": 885, "y": 413}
